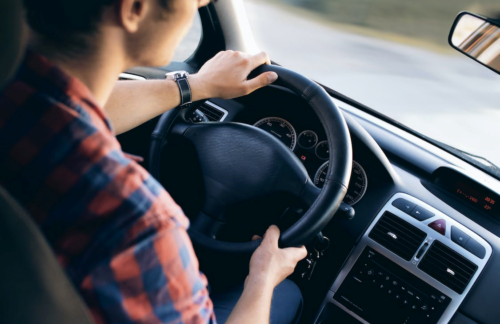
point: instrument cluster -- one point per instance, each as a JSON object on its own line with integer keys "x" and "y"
{"x": 313, "y": 151}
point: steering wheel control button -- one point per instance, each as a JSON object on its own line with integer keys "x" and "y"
{"x": 475, "y": 248}
{"x": 458, "y": 236}
{"x": 439, "y": 226}
{"x": 404, "y": 205}
{"x": 307, "y": 139}
{"x": 421, "y": 213}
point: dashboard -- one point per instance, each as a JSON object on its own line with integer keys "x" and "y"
{"x": 412, "y": 260}
{"x": 450, "y": 211}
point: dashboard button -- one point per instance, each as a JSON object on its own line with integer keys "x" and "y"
{"x": 475, "y": 248}
{"x": 439, "y": 226}
{"x": 404, "y": 205}
{"x": 458, "y": 236}
{"x": 421, "y": 213}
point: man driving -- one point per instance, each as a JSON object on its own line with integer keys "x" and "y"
{"x": 118, "y": 234}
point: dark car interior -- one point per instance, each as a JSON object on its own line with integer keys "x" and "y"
{"x": 398, "y": 230}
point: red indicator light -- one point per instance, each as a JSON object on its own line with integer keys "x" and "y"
{"x": 303, "y": 157}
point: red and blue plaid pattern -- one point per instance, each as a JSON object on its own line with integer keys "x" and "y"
{"x": 119, "y": 235}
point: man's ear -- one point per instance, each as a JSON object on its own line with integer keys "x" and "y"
{"x": 132, "y": 13}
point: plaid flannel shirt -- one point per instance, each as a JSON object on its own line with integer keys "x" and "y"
{"x": 118, "y": 234}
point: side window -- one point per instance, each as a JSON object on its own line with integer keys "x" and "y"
{"x": 190, "y": 42}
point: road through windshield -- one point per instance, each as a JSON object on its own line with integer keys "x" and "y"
{"x": 419, "y": 82}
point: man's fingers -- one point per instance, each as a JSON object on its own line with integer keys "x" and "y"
{"x": 261, "y": 81}
{"x": 272, "y": 235}
{"x": 256, "y": 237}
{"x": 297, "y": 254}
{"x": 259, "y": 59}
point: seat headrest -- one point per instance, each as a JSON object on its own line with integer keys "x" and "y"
{"x": 13, "y": 36}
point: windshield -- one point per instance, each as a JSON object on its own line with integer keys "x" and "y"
{"x": 392, "y": 56}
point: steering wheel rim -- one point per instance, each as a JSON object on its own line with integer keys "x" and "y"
{"x": 322, "y": 203}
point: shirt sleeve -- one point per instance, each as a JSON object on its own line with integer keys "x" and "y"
{"x": 155, "y": 280}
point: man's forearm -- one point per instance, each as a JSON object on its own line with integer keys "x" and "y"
{"x": 224, "y": 76}
{"x": 134, "y": 102}
{"x": 254, "y": 305}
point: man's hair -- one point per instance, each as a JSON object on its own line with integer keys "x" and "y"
{"x": 66, "y": 24}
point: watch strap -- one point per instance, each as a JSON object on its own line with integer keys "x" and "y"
{"x": 185, "y": 91}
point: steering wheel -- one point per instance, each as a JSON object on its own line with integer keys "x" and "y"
{"x": 240, "y": 162}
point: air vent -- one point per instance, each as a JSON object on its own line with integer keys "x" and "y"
{"x": 397, "y": 235}
{"x": 213, "y": 112}
{"x": 128, "y": 76}
{"x": 448, "y": 267}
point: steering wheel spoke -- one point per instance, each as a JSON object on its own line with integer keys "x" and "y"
{"x": 206, "y": 225}
{"x": 309, "y": 193}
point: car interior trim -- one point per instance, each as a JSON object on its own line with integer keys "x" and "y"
{"x": 129, "y": 76}
{"x": 447, "y": 158}
{"x": 233, "y": 20}
{"x": 219, "y": 108}
{"x": 412, "y": 266}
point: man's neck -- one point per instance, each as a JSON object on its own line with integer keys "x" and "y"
{"x": 98, "y": 70}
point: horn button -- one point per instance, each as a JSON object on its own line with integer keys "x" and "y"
{"x": 240, "y": 162}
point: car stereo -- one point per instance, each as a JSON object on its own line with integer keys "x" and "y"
{"x": 414, "y": 265}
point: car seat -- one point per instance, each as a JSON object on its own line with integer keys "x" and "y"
{"x": 33, "y": 286}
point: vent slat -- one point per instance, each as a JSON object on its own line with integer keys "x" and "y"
{"x": 387, "y": 239}
{"x": 440, "y": 266}
{"x": 456, "y": 260}
{"x": 440, "y": 259}
{"x": 451, "y": 262}
{"x": 447, "y": 282}
{"x": 391, "y": 223}
{"x": 408, "y": 237}
{"x": 212, "y": 113}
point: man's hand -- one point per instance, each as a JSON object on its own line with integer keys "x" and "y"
{"x": 225, "y": 76}
{"x": 269, "y": 264}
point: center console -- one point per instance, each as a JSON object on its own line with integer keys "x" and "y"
{"x": 414, "y": 265}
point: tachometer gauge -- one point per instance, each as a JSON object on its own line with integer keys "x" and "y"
{"x": 357, "y": 184}
{"x": 307, "y": 139}
{"x": 322, "y": 150}
{"x": 280, "y": 128}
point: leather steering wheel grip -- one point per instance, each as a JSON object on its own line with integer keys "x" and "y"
{"x": 322, "y": 209}
{"x": 340, "y": 161}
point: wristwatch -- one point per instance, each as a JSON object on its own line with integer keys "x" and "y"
{"x": 181, "y": 77}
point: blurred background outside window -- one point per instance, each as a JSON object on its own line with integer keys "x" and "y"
{"x": 190, "y": 42}
{"x": 393, "y": 56}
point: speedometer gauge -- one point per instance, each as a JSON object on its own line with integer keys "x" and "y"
{"x": 357, "y": 184}
{"x": 280, "y": 128}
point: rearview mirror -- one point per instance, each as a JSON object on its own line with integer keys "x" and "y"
{"x": 478, "y": 38}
